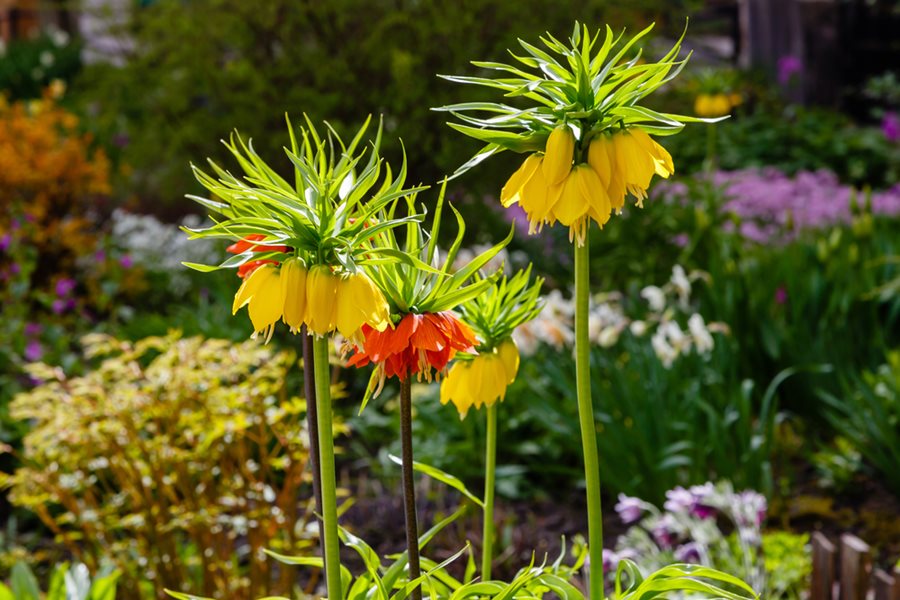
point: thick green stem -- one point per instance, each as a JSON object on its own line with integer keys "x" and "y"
{"x": 309, "y": 390}
{"x": 409, "y": 490}
{"x": 586, "y": 420}
{"x": 331, "y": 543}
{"x": 490, "y": 465}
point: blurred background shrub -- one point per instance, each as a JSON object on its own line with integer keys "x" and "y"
{"x": 180, "y": 459}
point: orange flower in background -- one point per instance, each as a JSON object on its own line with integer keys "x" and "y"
{"x": 418, "y": 344}
{"x": 248, "y": 244}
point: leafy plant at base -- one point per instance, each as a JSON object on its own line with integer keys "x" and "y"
{"x": 867, "y": 414}
{"x": 169, "y": 457}
{"x": 67, "y": 582}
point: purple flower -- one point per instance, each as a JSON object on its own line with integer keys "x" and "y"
{"x": 126, "y": 262}
{"x": 58, "y": 307}
{"x": 679, "y": 500}
{"x": 15, "y": 269}
{"x": 610, "y": 560}
{"x": 121, "y": 140}
{"x": 32, "y": 329}
{"x": 64, "y": 287}
{"x": 781, "y": 295}
{"x": 788, "y": 66}
{"x": 5, "y": 242}
{"x": 688, "y": 553}
{"x": 629, "y": 509}
{"x": 890, "y": 126}
{"x": 33, "y": 351}
{"x": 100, "y": 256}
{"x": 664, "y": 532}
{"x": 681, "y": 240}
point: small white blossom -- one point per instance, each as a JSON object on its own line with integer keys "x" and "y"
{"x": 655, "y": 297}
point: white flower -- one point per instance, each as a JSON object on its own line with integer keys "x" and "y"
{"x": 47, "y": 59}
{"x": 59, "y": 37}
{"x": 655, "y": 297}
{"x": 682, "y": 285}
{"x": 609, "y": 336}
{"x": 679, "y": 341}
{"x": 638, "y": 328}
{"x": 664, "y": 352}
{"x": 702, "y": 338}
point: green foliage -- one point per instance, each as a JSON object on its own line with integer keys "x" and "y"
{"x": 587, "y": 84}
{"x": 794, "y": 139}
{"x": 170, "y": 457}
{"x": 335, "y": 60}
{"x": 66, "y": 583}
{"x": 867, "y": 414}
{"x": 788, "y": 562}
{"x": 27, "y": 66}
{"x": 837, "y": 466}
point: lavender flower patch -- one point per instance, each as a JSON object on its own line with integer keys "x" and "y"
{"x": 774, "y": 208}
{"x": 711, "y": 525}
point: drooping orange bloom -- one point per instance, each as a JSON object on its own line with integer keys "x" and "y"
{"x": 418, "y": 344}
{"x": 245, "y": 244}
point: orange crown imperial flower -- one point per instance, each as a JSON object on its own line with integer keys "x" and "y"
{"x": 420, "y": 344}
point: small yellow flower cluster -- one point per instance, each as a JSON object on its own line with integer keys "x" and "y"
{"x": 316, "y": 297}
{"x": 481, "y": 380}
{"x": 549, "y": 188}
{"x": 715, "y": 105}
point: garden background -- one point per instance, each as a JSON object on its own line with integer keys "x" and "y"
{"x": 744, "y": 323}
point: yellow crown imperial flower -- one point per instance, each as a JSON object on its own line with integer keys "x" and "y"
{"x": 321, "y": 299}
{"x": 262, "y": 293}
{"x": 529, "y": 188}
{"x": 293, "y": 285}
{"x": 583, "y": 197}
{"x": 359, "y": 301}
{"x": 558, "y": 155}
{"x": 481, "y": 381}
{"x": 713, "y": 105}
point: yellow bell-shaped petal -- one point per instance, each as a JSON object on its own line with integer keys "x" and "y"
{"x": 615, "y": 189}
{"x": 598, "y": 158}
{"x": 702, "y": 106}
{"x": 509, "y": 356}
{"x": 293, "y": 285}
{"x": 494, "y": 380}
{"x": 455, "y": 388}
{"x": 321, "y": 300}
{"x": 592, "y": 188}
{"x": 510, "y": 194}
{"x": 558, "y": 155}
{"x": 267, "y": 303}
{"x": 537, "y": 199}
{"x": 662, "y": 159}
{"x": 360, "y": 301}
{"x": 249, "y": 287}
{"x": 572, "y": 204}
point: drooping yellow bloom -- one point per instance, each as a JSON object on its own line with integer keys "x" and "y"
{"x": 583, "y": 198}
{"x": 558, "y": 155}
{"x": 617, "y": 164}
{"x": 321, "y": 299}
{"x": 360, "y": 301}
{"x": 293, "y": 284}
{"x": 262, "y": 293}
{"x": 528, "y": 187}
{"x": 714, "y": 105}
{"x": 481, "y": 381}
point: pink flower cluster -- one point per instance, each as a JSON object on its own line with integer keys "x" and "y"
{"x": 775, "y": 207}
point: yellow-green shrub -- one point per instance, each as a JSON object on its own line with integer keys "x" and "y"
{"x": 180, "y": 459}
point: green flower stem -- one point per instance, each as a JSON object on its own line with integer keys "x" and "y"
{"x": 490, "y": 465}
{"x": 409, "y": 491}
{"x": 332, "y": 555}
{"x": 309, "y": 390}
{"x": 586, "y": 420}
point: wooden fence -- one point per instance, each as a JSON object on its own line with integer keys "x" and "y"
{"x": 845, "y": 572}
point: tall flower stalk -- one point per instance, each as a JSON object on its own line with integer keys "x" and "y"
{"x": 588, "y": 146}
{"x": 482, "y": 380}
{"x": 426, "y": 333}
{"x": 302, "y": 252}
